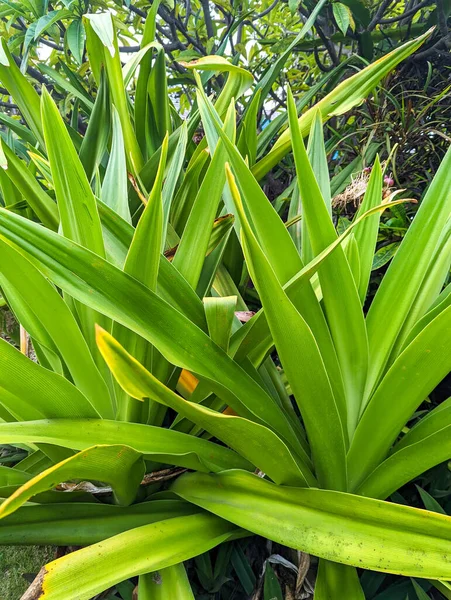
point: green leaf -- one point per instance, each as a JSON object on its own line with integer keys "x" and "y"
{"x": 308, "y": 379}
{"x": 256, "y": 443}
{"x": 97, "y": 134}
{"x": 293, "y": 6}
{"x": 404, "y": 277}
{"x": 115, "y": 183}
{"x": 30, "y": 391}
{"x": 220, "y": 312}
{"x": 46, "y": 21}
{"x": 271, "y": 586}
{"x": 366, "y": 233}
{"x": 429, "y": 502}
{"x": 47, "y": 318}
{"x": 103, "y": 49}
{"x": 342, "y": 16}
{"x": 332, "y": 576}
{"x": 165, "y": 584}
{"x": 17, "y": 171}
{"x": 159, "y": 444}
{"x": 75, "y": 37}
{"x": 278, "y": 247}
{"x": 413, "y": 375}
{"x": 119, "y": 466}
{"x": 79, "y": 218}
{"x": 340, "y": 527}
{"x": 384, "y": 255}
{"x": 137, "y": 551}
{"x": 25, "y": 96}
{"x": 340, "y": 297}
{"x": 81, "y": 524}
{"x": 347, "y": 94}
{"x": 125, "y": 300}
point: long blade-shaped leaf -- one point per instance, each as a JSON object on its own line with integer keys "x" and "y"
{"x": 81, "y": 524}
{"x": 403, "y": 279}
{"x": 25, "y": 96}
{"x": 119, "y": 466}
{"x": 162, "y": 445}
{"x": 124, "y": 299}
{"x": 44, "y": 207}
{"x": 300, "y": 359}
{"x": 47, "y": 318}
{"x": 166, "y": 584}
{"x": 131, "y": 553}
{"x": 30, "y": 391}
{"x": 340, "y": 297}
{"x": 344, "y": 528}
{"x": 253, "y": 441}
{"x": 347, "y": 94}
{"x": 414, "y": 374}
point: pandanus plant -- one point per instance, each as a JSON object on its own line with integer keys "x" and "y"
{"x": 117, "y": 249}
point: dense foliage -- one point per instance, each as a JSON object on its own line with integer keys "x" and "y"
{"x": 225, "y": 333}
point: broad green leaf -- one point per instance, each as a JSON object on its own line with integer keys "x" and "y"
{"x": 40, "y": 308}
{"x": 82, "y": 524}
{"x": 256, "y": 443}
{"x": 120, "y": 467}
{"x": 340, "y": 297}
{"x": 25, "y": 96}
{"x": 115, "y": 183}
{"x": 165, "y": 584}
{"x": 340, "y": 527}
{"x": 46, "y": 21}
{"x": 413, "y": 375}
{"x": 384, "y": 255}
{"x": 31, "y": 392}
{"x": 220, "y": 312}
{"x": 333, "y": 576}
{"x": 134, "y": 552}
{"x": 75, "y": 37}
{"x": 17, "y": 171}
{"x": 308, "y": 378}
{"x": 342, "y": 16}
{"x": 346, "y": 95}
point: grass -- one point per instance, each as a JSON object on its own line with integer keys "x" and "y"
{"x": 17, "y": 561}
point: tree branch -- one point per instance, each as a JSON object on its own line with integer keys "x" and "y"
{"x": 406, "y": 14}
